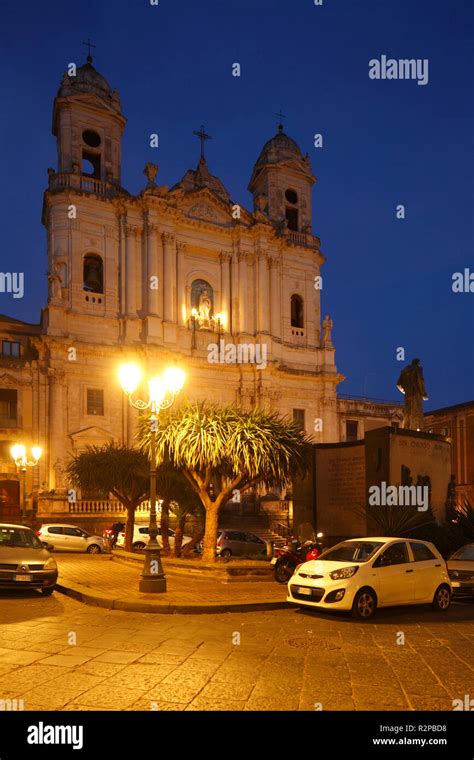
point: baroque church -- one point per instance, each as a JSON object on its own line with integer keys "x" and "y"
{"x": 157, "y": 278}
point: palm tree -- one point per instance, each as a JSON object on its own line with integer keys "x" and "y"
{"x": 113, "y": 469}
{"x": 222, "y": 449}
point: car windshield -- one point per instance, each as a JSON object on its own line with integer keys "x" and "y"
{"x": 352, "y": 551}
{"x": 467, "y": 552}
{"x": 19, "y": 537}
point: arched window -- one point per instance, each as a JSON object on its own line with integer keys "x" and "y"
{"x": 93, "y": 273}
{"x": 291, "y": 210}
{"x": 202, "y": 303}
{"x": 297, "y": 311}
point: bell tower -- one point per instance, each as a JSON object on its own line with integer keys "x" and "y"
{"x": 79, "y": 212}
{"x": 88, "y": 124}
{"x": 283, "y": 176}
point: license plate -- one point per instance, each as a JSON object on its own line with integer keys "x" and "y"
{"x": 274, "y": 561}
{"x": 305, "y": 591}
{"x": 23, "y": 577}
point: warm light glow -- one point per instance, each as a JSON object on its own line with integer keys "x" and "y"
{"x": 174, "y": 379}
{"x": 183, "y": 313}
{"x": 18, "y": 451}
{"x": 36, "y": 451}
{"x": 222, "y": 317}
{"x": 194, "y": 312}
{"x": 157, "y": 390}
{"x": 130, "y": 377}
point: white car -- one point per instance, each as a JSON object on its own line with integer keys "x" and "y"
{"x": 362, "y": 574}
{"x": 141, "y": 538}
{"x": 70, "y": 538}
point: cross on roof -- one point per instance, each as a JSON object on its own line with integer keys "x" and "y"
{"x": 89, "y": 46}
{"x": 203, "y": 137}
{"x": 281, "y": 116}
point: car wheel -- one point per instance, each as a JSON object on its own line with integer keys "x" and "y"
{"x": 138, "y": 547}
{"x": 93, "y": 549}
{"x": 441, "y": 599}
{"x": 365, "y": 604}
{"x": 47, "y": 591}
{"x": 226, "y": 553}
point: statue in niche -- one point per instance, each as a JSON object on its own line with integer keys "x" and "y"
{"x": 204, "y": 310}
{"x": 202, "y": 301}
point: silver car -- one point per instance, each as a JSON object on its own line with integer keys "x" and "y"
{"x": 234, "y": 543}
{"x": 24, "y": 562}
{"x": 461, "y": 570}
{"x": 70, "y": 538}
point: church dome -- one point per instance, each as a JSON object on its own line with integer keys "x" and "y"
{"x": 279, "y": 148}
{"x": 88, "y": 80}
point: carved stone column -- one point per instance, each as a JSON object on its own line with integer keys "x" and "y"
{"x": 181, "y": 290}
{"x": 275, "y": 295}
{"x": 56, "y": 412}
{"x": 131, "y": 232}
{"x": 243, "y": 295}
{"x": 169, "y": 276}
{"x": 225, "y": 258}
{"x": 154, "y": 277}
{"x": 263, "y": 293}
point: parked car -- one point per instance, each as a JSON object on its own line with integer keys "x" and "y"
{"x": 362, "y": 574}
{"x": 24, "y": 561}
{"x": 141, "y": 538}
{"x": 235, "y": 543}
{"x": 461, "y": 570}
{"x": 70, "y": 538}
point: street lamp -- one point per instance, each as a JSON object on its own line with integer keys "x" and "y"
{"x": 18, "y": 452}
{"x": 162, "y": 392}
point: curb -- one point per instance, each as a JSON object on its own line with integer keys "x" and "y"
{"x": 96, "y": 599}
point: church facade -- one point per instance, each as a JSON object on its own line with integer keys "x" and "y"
{"x": 171, "y": 276}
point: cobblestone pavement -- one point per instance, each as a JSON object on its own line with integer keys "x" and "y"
{"x": 56, "y": 653}
{"x": 120, "y": 581}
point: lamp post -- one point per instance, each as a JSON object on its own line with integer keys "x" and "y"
{"x": 162, "y": 392}
{"x": 18, "y": 452}
{"x": 217, "y": 321}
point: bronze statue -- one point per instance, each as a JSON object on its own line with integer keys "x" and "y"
{"x": 412, "y": 385}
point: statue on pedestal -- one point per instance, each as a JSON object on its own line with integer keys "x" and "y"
{"x": 328, "y": 324}
{"x": 55, "y": 284}
{"x": 411, "y": 383}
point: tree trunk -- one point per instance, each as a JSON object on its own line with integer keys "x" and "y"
{"x": 178, "y": 535}
{"x": 197, "y": 536}
{"x": 130, "y": 526}
{"x": 210, "y": 533}
{"x": 165, "y": 525}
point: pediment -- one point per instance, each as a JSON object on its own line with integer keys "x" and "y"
{"x": 204, "y": 206}
{"x": 91, "y": 436}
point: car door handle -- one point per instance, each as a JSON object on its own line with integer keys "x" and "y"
{"x": 438, "y": 565}
{"x": 408, "y": 571}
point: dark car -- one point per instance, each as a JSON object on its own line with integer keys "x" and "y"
{"x": 461, "y": 571}
{"x": 238, "y": 542}
{"x": 24, "y": 561}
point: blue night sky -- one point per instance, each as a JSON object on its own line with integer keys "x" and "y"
{"x": 387, "y": 282}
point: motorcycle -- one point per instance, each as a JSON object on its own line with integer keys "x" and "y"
{"x": 294, "y": 553}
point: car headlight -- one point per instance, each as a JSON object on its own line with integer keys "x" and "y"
{"x": 345, "y": 572}
{"x": 50, "y": 564}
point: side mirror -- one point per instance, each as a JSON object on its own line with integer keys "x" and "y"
{"x": 381, "y": 561}
{"x": 47, "y": 546}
